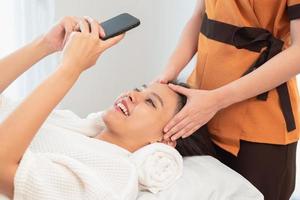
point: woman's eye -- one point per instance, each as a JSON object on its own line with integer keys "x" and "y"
{"x": 137, "y": 90}
{"x": 151, "y": 102}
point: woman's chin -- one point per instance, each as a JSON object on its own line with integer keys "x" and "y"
{"x": 113, "y": 116}
{"x": 114, "y": 122}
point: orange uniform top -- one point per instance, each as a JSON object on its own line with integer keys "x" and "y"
{"x": 220, "y": 63}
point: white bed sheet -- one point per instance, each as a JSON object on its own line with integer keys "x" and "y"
{"x": 205, "y": 178}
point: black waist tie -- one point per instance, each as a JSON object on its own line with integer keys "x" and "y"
{"x": 253, "y": 39}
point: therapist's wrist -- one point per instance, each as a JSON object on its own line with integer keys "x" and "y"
{"x": 174, "y": 68}
{"x": 226, "y": 96}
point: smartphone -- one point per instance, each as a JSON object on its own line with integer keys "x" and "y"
{"x": 119, "y": 25}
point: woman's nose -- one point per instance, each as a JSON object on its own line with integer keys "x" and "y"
{"x": 134, "y": 96}
{"x": 130, "y": 98}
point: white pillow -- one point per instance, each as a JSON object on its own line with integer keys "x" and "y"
{"x": 206, "y": 178}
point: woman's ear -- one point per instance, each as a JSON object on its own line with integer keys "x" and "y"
{"x": 169, "y": 142}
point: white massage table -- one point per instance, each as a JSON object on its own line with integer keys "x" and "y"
{"x": 205, "y": 178}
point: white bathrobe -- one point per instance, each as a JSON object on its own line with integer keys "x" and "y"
{"x": 63, "y": 162}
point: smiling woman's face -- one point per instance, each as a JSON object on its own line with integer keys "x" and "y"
{"x": 138, "y": 118}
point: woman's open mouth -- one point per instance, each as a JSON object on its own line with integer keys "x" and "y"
{"x": 122, "y": 106}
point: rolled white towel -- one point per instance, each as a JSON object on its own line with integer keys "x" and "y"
{"x": 158, "y": 166}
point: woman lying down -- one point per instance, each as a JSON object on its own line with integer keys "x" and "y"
{"x": 48, "y": 154}
{"x": 48, "y": 157}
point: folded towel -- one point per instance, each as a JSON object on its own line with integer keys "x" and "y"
{"x": 158, "y": 166}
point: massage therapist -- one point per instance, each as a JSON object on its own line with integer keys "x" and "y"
{"x": 244, "y": 87}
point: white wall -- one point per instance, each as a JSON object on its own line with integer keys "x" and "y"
{"x": 138, "y": 59}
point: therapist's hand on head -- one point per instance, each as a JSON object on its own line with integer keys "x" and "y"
{"x": 201, "y": 106}
{"x": 84, "y": 48}
{"x": 167, "y": 76}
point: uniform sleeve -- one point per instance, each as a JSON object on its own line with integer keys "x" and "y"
{"x": 56, "y": 177}
{"x": 293, "y": 9}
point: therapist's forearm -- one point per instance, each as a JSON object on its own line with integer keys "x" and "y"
{"x": 18, "y": 130}
{"x": 12, "y": 66}
{"x": 186, "y": 47}
{"x": 188, "y": 42}
{"x": 273, "y": 73}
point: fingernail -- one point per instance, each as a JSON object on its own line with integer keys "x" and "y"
{"x": 184, "y": 136}
{"x": 173, "y": 138}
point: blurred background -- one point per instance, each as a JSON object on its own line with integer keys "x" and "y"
{"x": 138, "y": 59}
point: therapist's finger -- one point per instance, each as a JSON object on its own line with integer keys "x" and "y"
{"x": 180, "y": 89}
{"x": 84, "y": 26}
{"x": 95, "y": 28}
{"x": 178, "y": 118}
{"x": 183, "y": 131}
{"x": 177, "y": 127}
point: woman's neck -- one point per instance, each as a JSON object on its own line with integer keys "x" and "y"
{"x": 112, "y": 138}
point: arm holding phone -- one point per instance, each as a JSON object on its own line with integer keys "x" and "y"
{"x": 20, "y": 61}
{"x": 80, "y": 53}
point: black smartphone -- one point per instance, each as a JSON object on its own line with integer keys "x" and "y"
{"x": 119, "y": 25}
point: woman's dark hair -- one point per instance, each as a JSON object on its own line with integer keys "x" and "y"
{"x": 199, "y": 143}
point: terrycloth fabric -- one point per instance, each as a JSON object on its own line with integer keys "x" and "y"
{"x": 158, "y": 165}
{"x": 62, "y": 162}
